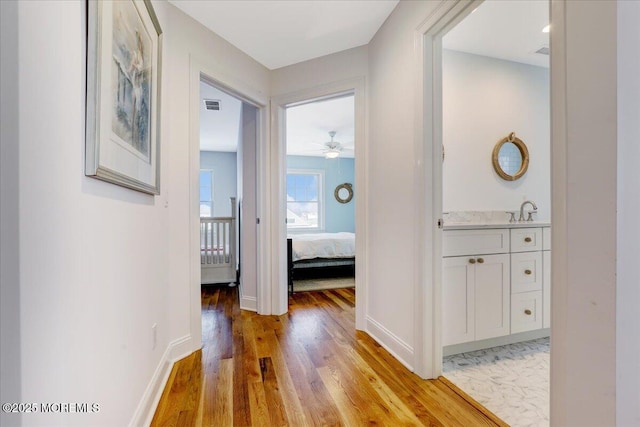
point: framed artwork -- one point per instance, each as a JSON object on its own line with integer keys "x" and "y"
{"x": 124, "y": 46}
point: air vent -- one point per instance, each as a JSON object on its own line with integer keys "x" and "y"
{"x": 212, "y": 104}
{"x": 544, "y": 50}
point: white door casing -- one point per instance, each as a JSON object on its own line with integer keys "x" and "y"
{"x": 277, "y": 167}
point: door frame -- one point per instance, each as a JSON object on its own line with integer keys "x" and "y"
{"x": 428, "y": 183}
{"x": 200, "y": 70}
{"x": 278, "y": 288}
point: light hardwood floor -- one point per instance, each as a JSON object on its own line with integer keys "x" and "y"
{"x": 308, "y": 367}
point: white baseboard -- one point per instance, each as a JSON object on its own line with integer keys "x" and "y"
{"x": 175, "y": 351}
{"x": 393, "y": 344}
{"x": 249, "y": 303}
{"x": 495, "y": 342}
{"x": 181, "y": 348}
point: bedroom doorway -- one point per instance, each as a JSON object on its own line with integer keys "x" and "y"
{"x": 495, "y": 301}
{"x": 319, "y": 175}
{"x": 339, "y": 91}
{"x": 228, "y": 183}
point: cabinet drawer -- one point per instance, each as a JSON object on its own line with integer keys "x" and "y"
{"x": 546, "y": 239}
{"x": 526, "y": 311}
{"x": 475, "y": 242}
{"x": 526, "y": 239}
{"x": 526, "y": 272}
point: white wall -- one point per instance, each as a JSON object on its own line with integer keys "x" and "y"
{"x": 584, "y": 163}
{"x": 225, "y": 183}
{"x": 628, "y": 275}
{"x": 186, "y": 42}
{"x": 485, "y": 99}
{"x": 392, "y": 163}
{"x": 10, "y": 367}
{"x": 94, "y": 257}
{"x": 99, "y": 264}
{"x": 320, "y": 71}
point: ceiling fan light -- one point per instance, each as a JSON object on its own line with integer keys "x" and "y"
{"x": 331, "y": 154}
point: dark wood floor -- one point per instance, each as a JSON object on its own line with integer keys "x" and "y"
{"x": 309, "y": 367}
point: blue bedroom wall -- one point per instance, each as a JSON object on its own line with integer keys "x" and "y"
{"x": 338, "y": 216}
{"x": 225, "y": 178}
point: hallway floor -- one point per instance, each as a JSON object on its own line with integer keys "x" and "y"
{"x": 512, "y": 381}
{"x": 307, "y": 367}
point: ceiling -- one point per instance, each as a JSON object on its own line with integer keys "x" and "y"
{"x": 308, "y": 126}
{"x": 219, "y": 130}
{"x": 280, "y": 33}
{"x": 509, "y": 30}
{"x": 284, "y": 32}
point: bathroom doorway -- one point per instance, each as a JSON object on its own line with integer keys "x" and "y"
{"x": 495, "y": 298}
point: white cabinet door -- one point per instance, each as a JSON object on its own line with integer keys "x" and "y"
{"x": 492, "y": 292}
{"x": 458, "y": 312}
{"x": 546, "y": 289}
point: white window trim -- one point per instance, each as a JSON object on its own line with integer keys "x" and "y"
{"x": 199, "y": 187}
{"x": 321, "y": 205}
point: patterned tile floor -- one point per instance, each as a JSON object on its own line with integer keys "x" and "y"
{"x": 512, "y": 381}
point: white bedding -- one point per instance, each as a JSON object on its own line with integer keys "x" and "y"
{"x": 323, "y": 245}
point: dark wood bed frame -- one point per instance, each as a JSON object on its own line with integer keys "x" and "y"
{"x": 316, "y": 266}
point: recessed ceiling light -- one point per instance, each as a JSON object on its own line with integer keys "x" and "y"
{"x": 546, "y": 29}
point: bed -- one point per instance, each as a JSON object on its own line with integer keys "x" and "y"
{"x": 323, "y": 254}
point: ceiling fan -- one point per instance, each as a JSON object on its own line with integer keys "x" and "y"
{"x": 333, "y": 148}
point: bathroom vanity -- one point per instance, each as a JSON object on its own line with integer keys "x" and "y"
{"x": 496, "y": 281}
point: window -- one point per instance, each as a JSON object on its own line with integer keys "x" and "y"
{"x": 206, "y": 193}
{"x": 305, "y": 199}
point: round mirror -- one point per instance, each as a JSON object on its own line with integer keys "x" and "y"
{"x": 510, "y": 158}
{"x": 344, "y": 193}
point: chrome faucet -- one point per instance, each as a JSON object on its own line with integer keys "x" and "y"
{"x": 533, "y": 205}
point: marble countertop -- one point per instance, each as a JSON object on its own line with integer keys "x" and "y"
{"x": 489, "y": 219}
{"x": 448, "y": 225}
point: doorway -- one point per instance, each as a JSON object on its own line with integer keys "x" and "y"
{"x": 494, "y": 300}
{"x": 228, "y": 182}
{"x": 355, "y": 88}
{"x": 319, "y": 175}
